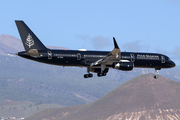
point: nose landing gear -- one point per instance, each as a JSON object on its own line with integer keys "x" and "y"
{"x": 156, "y": 72}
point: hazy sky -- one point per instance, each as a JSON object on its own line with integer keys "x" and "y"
{"x": 137, "y": 25}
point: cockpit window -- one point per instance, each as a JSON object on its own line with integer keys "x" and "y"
{"x": 169, "y": 59}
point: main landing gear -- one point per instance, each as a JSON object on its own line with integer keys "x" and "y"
{"x": 156, "y": 72}
{"x": 88, "y": 75}
{"x": 101, "y": 74}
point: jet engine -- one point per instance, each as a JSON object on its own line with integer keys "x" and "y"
{"x": 98, "y": 70}
{"x": 124, "y": 66}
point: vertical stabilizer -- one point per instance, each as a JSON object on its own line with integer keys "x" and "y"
{"x": 29, "y": 39}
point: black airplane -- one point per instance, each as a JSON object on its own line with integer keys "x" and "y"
{"x": 95, "y": 61}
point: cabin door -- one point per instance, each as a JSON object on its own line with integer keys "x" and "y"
{"x": 78, "y": 56}
{"x": 132, "y": 57}
{"x": 49, "y": 54}
{"x": 162, "y": 59}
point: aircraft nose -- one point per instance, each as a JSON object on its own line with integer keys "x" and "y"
{"x": 173, "y": 64}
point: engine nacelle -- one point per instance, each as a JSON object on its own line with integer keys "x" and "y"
{"x": 98, "y": 70}
{"x": 124, "y": 66}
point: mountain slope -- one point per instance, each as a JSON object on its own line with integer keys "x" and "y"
{"x": 141, "y": 98}
{"x": 9, "y": 108}
{"x": 11, "y": 44}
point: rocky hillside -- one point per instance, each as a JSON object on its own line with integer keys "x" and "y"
{"x": 9, "y": 108}
{"x": 141, "y": 98}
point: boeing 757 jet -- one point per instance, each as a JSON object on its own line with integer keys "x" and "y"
{"x": 95, "y": 61}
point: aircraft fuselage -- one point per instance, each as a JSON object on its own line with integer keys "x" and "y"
{"x": 95, "y": 61}
{"x": 85, "y": 58}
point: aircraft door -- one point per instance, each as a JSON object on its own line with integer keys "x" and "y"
{"x": 78, "y": 56}
{"x": 162, "y": 59}
{"x": 132, "y": 57}
{"x": 49, "y": 54}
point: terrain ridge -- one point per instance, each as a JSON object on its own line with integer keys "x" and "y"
{"x": 141, "y": 98}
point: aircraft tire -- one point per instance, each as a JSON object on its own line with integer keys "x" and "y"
{"x": 103, "y": 74}
{"x": 86, "y": 75}
{"x": 90, "y": 75}
{"x": 155, "y": 76}
{"x": 99, "y": 74}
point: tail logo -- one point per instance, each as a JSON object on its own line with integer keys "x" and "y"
{"x": 29, "y": 41}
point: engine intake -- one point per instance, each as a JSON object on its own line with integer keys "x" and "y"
{"x": 124, "y": 66}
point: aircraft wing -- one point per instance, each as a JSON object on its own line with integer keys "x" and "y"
{"x": 111, "y": 57}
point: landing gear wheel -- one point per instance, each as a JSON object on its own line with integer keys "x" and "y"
{"x": 155, "y": 76}
{"x": 99, "y": 74}
{"x": 103, "y": 74}
{"x": 88, "y": 75}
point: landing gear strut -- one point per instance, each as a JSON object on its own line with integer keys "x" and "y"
{"x": 103, "y": 67}
{"x": 156, "y": 72}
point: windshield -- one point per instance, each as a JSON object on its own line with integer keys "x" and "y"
{"x": 169, "y": 59}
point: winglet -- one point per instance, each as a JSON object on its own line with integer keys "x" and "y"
{"x": 115, "y": 43}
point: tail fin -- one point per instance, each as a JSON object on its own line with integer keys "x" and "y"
{"x": 29, "y": 39}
